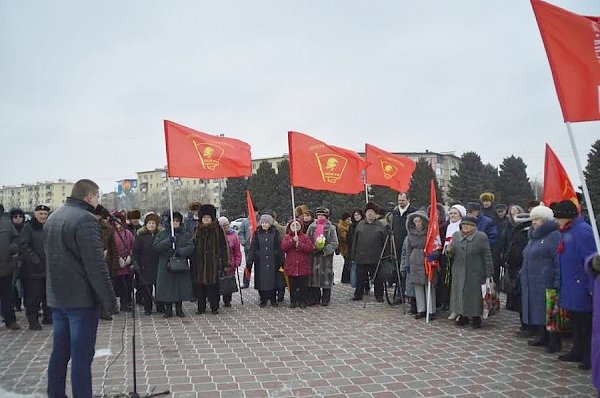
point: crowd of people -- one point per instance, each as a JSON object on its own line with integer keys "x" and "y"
{"x": 542, "y": 258}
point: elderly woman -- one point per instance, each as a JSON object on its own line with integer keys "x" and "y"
{"x": 235, "y": 253}
{"x": 145, "y": 257}
{"x": 471, "y": 267}
{"x": 123, "y": 277}
{"x": 538, "y": 274}
{"x": 451, "y": 226}
{"x": 173, "y": 287}
{"x": 324, "y": 235}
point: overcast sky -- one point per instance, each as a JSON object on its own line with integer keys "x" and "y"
{"x": 84, "y": 86}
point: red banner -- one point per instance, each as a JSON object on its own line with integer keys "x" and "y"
{"x": 316, "y": 165}
{"x": 193, "y": 154}
{"x": 251, "y": 214}
{"x": 557, "y": 185}
{"x": 572, "y": 45}
{"x": 433, "y": 242}
{"x": 388, "y": 170}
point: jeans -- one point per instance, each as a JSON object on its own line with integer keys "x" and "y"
{"x": 74, "y": 339}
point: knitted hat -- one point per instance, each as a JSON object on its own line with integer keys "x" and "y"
{"x": 152, "y": 217}
{"x": 473, "y": 206}
{"x": 468, "y": 220}
{"x": 322, "y": 210}
{"x": 487, "y": 197}
{"x": 565, "y": 209}
{"x": 461, "y": 209}
{"x": 208, "y": 210}
{"x": 134, "y": 215}
{"x": 223, "y": 220}
{"x": 266, "y": 218}
{"x": 543, "y": 212}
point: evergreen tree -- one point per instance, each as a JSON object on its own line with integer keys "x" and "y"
{"x": 592, "y": 177}
{"x": 467, "y": 184}
{"x": 489, "y": 180}
{"x": 420, "y": 191}
{"x": 384, "y": 197}
{"x": 282, "y": 197}
{"x": 514, "y": 186}
{"x": 262, "y": 185}
{"x": 234, "y": 197}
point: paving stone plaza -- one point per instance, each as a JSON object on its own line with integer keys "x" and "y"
{"x": 338, "y": 351}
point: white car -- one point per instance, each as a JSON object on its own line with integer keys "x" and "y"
{"x": 237, "y": 223}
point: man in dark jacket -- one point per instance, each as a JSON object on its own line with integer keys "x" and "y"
{"x": 78, "y": 286}
{"x": 368, "y": 240}
{"x": 484, "y": 223}
{"x": 8, "y": 248}
{"x": 399, "y": 216}
{"x": 33, "y": 268}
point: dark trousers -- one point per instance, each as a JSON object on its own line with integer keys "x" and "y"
{"x": 35, "y": 297}
{"x": 7, "y": 300}
{"x": 123, "y": 286}
{"x": 582, "y": 335}
{"x": 145, "y": 297}
{"x": 298, "y": 289}
{"x": 362, "y": 275}
{"x": 346, "y": 270}
{"x": 210, "y": 292}
{"x": 267, "y": 295}
{"x": 313, "y": 295}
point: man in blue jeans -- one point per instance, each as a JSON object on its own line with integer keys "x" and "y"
{"x": 78, "y": 287}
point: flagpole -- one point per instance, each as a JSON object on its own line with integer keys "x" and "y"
{"x": 366, "y": 193}
{"x": 586, "y": 193}
{"x": 171, "y": 208}
{"x": 428, "y": 300}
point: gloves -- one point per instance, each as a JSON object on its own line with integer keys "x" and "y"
{"x": 122, "y": 262}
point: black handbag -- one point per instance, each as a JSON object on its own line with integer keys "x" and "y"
{"x": 227, "y": 284}
{"x": 387, "y": 272}
{"x": 178, "y": 265}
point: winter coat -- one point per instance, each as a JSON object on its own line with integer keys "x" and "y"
{"x": 538, "y": 272}
{"x": 415, "y": 248}
{"x": 235, "y": 253}
{"x": 108, "y": 244}
{"x": 32, "y": 252}
{"x": 298, "y": 260}
{"x": 9, "y": 245}
{"x": 244, "y": 234}
{"x": 173, "y": 287}
{"x": 513, "y": 259}
{"x": 471, "y": 265}
{"x": 76, "y": 273}
{"x": 190, "y": 222}
{"x": 145, "y": 255}
{"x": 342, "y": 232}
{"x": 368, "y": 241}
{"x": 350, "y": 237}
{"x": 486, "y": 225}
{"x": 595, "y": 324}
{"x": 322, "y": 262}
{"x": 267, "y": 257}
{"x": 211, "y": 254}
{"x": 574, "y": 284}
{"x": 124, "y": 241}
{"x": 399, "y": 227}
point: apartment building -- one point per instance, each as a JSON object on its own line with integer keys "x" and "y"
{"x": 27, "y": 196}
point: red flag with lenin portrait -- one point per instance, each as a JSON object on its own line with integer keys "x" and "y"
{"x": 557, "y": 185}
{"x": 193, "y": 154}
{"x": 316, "y": 165}
{"x": 433, "y": 242}
{"x": 388, "y": 170}
{"x": 572, "y": 45}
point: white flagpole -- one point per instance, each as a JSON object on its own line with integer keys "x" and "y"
{"x": 428, "y": 301}
{"x": 366, "y": 193}
{"x": 171, "y": 208}
{"x": 586, "y": 193}
{"x": 293, "y": 203}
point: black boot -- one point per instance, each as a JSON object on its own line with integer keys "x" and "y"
{"x": 201, "y": 307}
{"x": 413, "y": 306}
{"x": 326, "y": 297}
{"x": 160, "y": 307}
{"x": 554, "y": 343}
{"x": 541, "y": 337}
{"x": 476, "y": 322}
{"x": 179, "y": 309}
{"x": 34, "y": 324}
{"x": 168, "y": 310}
{"x": 47, "y": 318}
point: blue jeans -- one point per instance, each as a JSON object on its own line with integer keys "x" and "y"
{"x": 74, "y": 332}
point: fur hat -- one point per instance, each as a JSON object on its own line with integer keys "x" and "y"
{"x": 152, "y": 217}
{"x": 461, "y": 209}
{"x": 208, "y": 210}
{"x": 15, "y": 211}
{"x": 565, "y": 209}
{"x": 134, "y": 215}
{"x": 178, "y": 215}
{"x": 469, "y": 221}
{"x": 487, "y": 197}
{"x": 195, "y": 206}
{"x": 322, "y": 210}
{"x": 521, "y": 218}
{"x": 543, "y": 212}
{"x": 371, "y": 206}
{"x": 473, "y": 206}
{"x": 301, "y": 210}
{"x": 41, "y": 208}
{"x": 266, "y": 218}
{"x": 223, "y": 220}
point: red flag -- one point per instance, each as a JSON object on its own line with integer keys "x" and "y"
{"x": 389, "y": 170}
{"x": 251, "y": 213}
{"x": 572, "y": 45}
{"x": 433, "y": 242}
{"x": 557, "y": 185}
{"x": 316, "y": 165}
{"x": 193, "y": 154}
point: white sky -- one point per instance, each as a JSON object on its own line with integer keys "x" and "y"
{"x": 84, "y": 86}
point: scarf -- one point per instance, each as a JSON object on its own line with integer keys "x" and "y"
{"x": 452, "y": 228}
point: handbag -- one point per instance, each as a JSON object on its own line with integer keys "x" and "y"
{"x": 491, "y": 301}
{"x": 557, "y": 319}
{"x": 178, "y": 265}
{"x": 227, "y": 284}
{"x": 387, "y": 272}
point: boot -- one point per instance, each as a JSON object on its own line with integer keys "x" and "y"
{"x": 148, "y": 307}
{"x": 525, "y": 331}
{"x": 541, "y": 339}
{"x": 201, "y": 307}
{"x": 326, "y": 297}
{"x": 293, "y": 304}
{"x": 420, "y": 315}
{"x": 47, "y": 318}
{"x": 13, "y": 325}
{"x": 179, "y": 309}
{"x": 413, "y": 306}
{"x": 462, "y": 320}
{"x": 34, "y": 324}
{"x": 168, "y": 310}
{"x": 554, "y": 343}
{"x": 160, "y": 307}
{"x": 476, "y": 322}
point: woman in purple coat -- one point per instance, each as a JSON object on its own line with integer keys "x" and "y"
{"x": 593, "y": 266}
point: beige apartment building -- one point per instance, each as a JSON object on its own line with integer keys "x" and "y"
{"x": 27, "y": 196}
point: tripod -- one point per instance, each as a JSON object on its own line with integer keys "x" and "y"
{"x": 394, "y": 259}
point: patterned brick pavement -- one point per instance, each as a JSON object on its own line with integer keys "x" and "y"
{"x": 338, "y": 351}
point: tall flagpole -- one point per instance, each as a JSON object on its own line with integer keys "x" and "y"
{"x": 586, "y": 193}
{"x": 171, "y": 208}
{"x": 366, "y": 193}
{"x": 293, "y": 203}
{"x": 428, "y": 299}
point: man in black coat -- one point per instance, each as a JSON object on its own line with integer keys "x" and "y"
{"x": 8, "y": 248}
{"x": 78, "y": 286}
{"x": 33, "y": 268}
{"x": 399, "y": 216}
